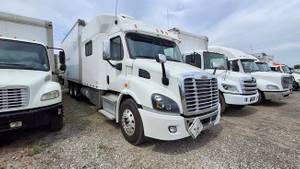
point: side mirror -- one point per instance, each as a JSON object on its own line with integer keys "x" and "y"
{"x": 62, "y": 57}
{"x": 106, "y": 50}
{"x": 161, "y": 58}
{"x": 227, "y": 64}
{"x": 63, "y": 68}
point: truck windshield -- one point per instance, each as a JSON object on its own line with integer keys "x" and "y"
{"x": 286, "y": 69}
{"x": 145, "y": 46}
{"x": 263, "y": 67}
{"x": 23, "y": 55}
{"x": 249, "y": 66}
{"x": 212, "y": 60}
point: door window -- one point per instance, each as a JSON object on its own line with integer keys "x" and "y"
{"x": 116, "y": 48}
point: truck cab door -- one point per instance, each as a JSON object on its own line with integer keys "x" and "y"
{"x": 115, "y": 68}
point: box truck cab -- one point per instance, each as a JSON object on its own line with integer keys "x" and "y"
{"x": 271, "y": 86}
{"x": 236, "y": 89}
{"x": 134, "y": 73}
{"x": 28, "y": 96}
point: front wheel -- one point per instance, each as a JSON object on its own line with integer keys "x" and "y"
{"x": 56, "y": 123}
{"x": 222, "y": 103}
{"x": 261, "y": 98}
{"x": 131, "y": 122}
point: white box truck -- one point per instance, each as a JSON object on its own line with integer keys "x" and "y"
{"x": 236, "y": 89}
{"x": 28, "y": 96}
{"x": 134, "y": 73}
{"x": 271, "y": 85}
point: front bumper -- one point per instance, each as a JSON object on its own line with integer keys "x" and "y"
{"x": 235, "y": 99}
{"x": 156, "y": 125}
{"x": 274, "y": 96}
{"x": 29, "y": 118}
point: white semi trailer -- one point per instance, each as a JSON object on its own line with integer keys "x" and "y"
{"x": 134, "y": 73}
{"x": 271, "y": 85}
{"x": 236, "y": 89}
{"x": 28, "y": 96}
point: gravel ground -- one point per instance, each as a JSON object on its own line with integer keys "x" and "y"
{"x": 266, "y": 136}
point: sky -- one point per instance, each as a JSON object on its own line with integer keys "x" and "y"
{"x": 253, "y": 26}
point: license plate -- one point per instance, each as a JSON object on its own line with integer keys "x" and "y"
{"x": 196, "y": 128}
{"x": 15, "y": 124}
{"x": 252, "y": 99}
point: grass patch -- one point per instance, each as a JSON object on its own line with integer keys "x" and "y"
{"x": 37, "y": 148}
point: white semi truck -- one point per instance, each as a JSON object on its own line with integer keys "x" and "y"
{"x": 134, "y": 73}
{"x": 236, "y": 89}
{"x": 271, "y": 85}
{"x": 28, "y": 96}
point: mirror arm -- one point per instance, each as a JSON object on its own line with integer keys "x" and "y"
{"x": 114, "y": 66}
{"x": 164, "y": 79}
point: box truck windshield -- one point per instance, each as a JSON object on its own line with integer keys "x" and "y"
{"x": 144, "y": 46}
{"x": 249, "y": 65}
{"x": 263, "y": 67}
{"x": 23, "y": 55}
{"x": 213, "y": 60}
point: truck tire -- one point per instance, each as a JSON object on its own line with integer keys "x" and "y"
{"x": 56, "y": 122}
{"x": 76, "y": 91}
{"x": 131, "y": 122}
{"x": 222, "y": 103}
{"x": 71, "y": 89}
{"x": 261, "y": 98}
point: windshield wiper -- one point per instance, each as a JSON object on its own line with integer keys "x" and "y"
{"x": 15, "y": 64}
{"x": 144, "y": 57}
{"x": 174, "y": 60}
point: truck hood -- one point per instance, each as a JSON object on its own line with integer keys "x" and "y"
{"x": 173, "y": 69}
{"x": 13, "y": 77}
{"x": 230, "y": 75}
{"x": 267, "y": 75}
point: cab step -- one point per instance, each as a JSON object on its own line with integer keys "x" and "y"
{"x": 109, "y": 103}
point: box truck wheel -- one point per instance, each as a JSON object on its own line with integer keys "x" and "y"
{"x": 56, "y": 122}
{"x": 131, "y": 122}
{"x": 222, "y": 103}
{"x": 261, "y": 98}
{"x": 71, "y": 89}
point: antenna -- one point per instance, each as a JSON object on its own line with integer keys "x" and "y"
{"x": 116, "y": 11}
{"x": 168, "y": 18}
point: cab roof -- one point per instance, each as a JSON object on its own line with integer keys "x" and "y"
{"x": 231, "y": 53}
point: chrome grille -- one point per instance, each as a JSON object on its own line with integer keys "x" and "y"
{"x": 249, "y": 87}
{"x": 201, "y": 95}
{"x": 285, "y": 81}
{"x": 12, "y": 98}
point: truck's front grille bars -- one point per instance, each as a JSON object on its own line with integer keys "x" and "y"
{"x": 12, "y": 98}
{"x": 249, "y": 87}
{"x": 201, "y": 95}
{"x": 286, "y": 81}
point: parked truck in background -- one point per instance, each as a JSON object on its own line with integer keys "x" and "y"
{"x": 135, "y": 75}
{"x": 271, "y": 85}
{"x": 236, "y": 89}
{"x": 282, "y": 68}
{"x": 28, "y": 96}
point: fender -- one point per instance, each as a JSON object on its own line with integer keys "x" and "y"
{"x": 123, "y": 93}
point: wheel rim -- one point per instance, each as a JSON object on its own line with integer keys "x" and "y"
{"x": 128, "y": 122}
{"x": 75, "y": 92}
{"x": 70, "y": 91}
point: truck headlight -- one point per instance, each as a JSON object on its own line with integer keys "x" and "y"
{"x": 272, "y": 87}
{"x": 164, "y": 103}
{"x": 230, "y": 88}
{"x": 50, "y": 95}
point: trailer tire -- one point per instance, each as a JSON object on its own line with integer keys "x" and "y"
{"x": 71, "y": 89}
{"x": 76, "y": 91}
{"x": 131, "y": 122}
{"x": 56, "y": 122}
{"x": 222, "y": 103}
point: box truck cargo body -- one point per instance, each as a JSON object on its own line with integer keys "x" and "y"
{"x": 236, "y": 89}
{"x": 28, "y": 96}
{"x": 271, "y": 85}
{"x": 135, "y": 75}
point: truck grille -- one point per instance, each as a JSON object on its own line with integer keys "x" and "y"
{"x": 12, "y": 98}
{"x": 201, "y": 95}
{"x": 249, "y": 87}
{"x": 285, "y": 81}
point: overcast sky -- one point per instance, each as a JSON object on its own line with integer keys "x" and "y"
{"x": 271, "y": 26}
